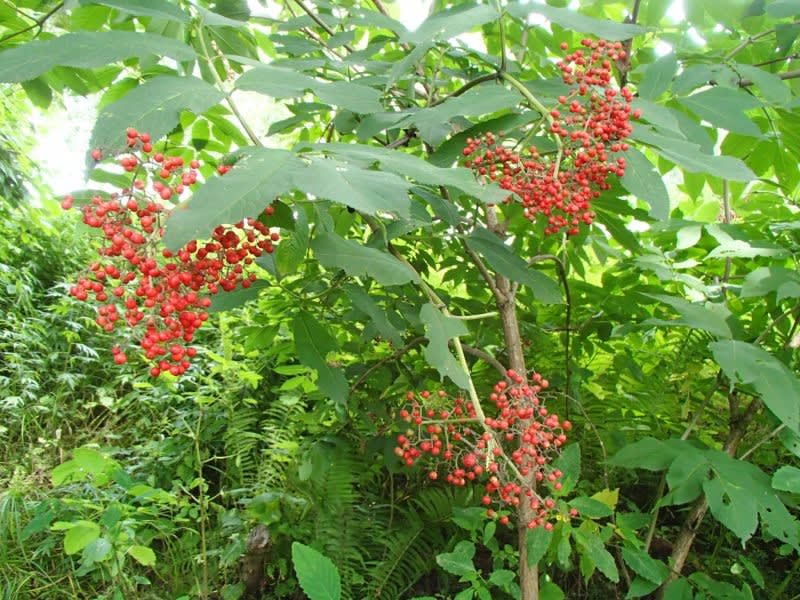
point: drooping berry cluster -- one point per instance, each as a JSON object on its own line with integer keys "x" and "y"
{"x": 161, "y": 296}
{"x": 511, "y": 452}
{"x": 591, "y": 123}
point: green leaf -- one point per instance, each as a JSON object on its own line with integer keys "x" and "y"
{"x": 316, "y": 573}
{"x": 640, "y": 587}
{"x": 773, "y": 88}
{"x": 312, "y": 343}
{"x": 680, "y": 589}
{"x": 439, "y": 329}
{"x": 648, "y": 453}
{"x": 591, "y": 508}
{"x": 97, "y": 551}
{"x": 765, "y": 280}
{"x": 224, "y": 301}
{"x": 778, "y": 387}
{"x": 685, "y": 477}
{"x": 537, "y": 541}
{"x": 153, "y": 107}
{"x": 732, "y": 505}
{"x": 359, "y": 261}
{"x": 279, "y": 82}
{"x": 644, "y": 565}
{"x": 143, "y": 555}
{"x": 161, "y": 9}
{"x": 85, "y": 462}
{"x": 691, "y": 157}
{"x": 85, "y": 50}
{"x": 783, "y": 8}
{"x": 787, "y": 479}
{"x": 569, "y": 462}
{"x": 365, "y": 190}
{"x": 501, "y": 577}
{"x": 643, "y": 181}
{"x": 469, "y": 517}
{"x": 573, "y": 21}
{"x": 80, "y": 535}
{"x": 446, "y": 24}
{"x": 459, "y": 561}
{"x": 251, "y": 185}
{"x": 501, "y": 258}
{"x": 658, "y": 76}
{"x": 595, "y": 552}
{"x": 550, "y": 591}
{"x": 364, "y": 302}
{"x": 408, "y": 165}
{"x": 725, "y": 108}
{"x": 711, "y": 317}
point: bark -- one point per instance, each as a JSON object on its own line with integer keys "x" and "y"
{"x": 253, "y": 562}
{"x": 683, "y": 544}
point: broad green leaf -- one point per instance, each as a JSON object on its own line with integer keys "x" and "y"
{"x": 783, "y": 8}
{"x": 765, "y": 280}
{"x": 408, "y": 165}
{"x": 80, "y": 535}
{"x": 778, "y": 387}
{"x": 640, "y": 587}
{"x": 573, "y": 21}
{"x": 439, "y": 330}
{"x": 97, "y": 551}
{"x": 312, "y": 343}
{"x": 644, "y": 565}
{"x": 648, "y": 453}
{"x": 591, "y": 508}
{"x": 501, "y": 258}
{"x": 711, "y": 318}
{"x": 161, "y": 9}
{"x": 280, "y": 82}
{"x": 359, "y": 260}
{"x": 593, "y": 549}
{"x": 569, "y": 462}
{"x": 143, "y": 555}
{"x": 643, "y": 181}
{"x": 691, "y": 157}
{"x": 550, "y": 591}
{"x": 686, "y": 476}
{"x": 224, "y": 301}
{"x": 449, "y": 23}
{"x": 658, "y": 76}
{"x": 502, "y": 577}
{"x": 469, "y": 517}
{"x": 772, "y": 88}
{"x": 244, "y": 192}
{"x": 680, "y": 589}
{"x": 365, "y": 190}
{"x": 459, "y": 561}
{"x": 787, "y": 479}
{"x": 725, "y": 108}
{"x": 537, "y": 541}
{"x": 316, "y": 573}
{"x": 364, "y": 302}
{"x": 153, "y": 107}
{"x": 85, "y": 50}
{"x": 85, "y": 462}
{"x": 732, "y": 505}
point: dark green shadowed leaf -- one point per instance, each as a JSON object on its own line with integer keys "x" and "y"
{"x": 161, "y": 9}
{"x": 312, "y": 343}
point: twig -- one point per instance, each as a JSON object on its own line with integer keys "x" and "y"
{"x": 320, "y": 22}
{"x": 486, "y": 357}
{"x": 228, "y": 97}
{"x": 38, "y": 23}
{"x": 763, "y": 440}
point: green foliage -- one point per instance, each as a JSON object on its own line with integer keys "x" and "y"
{"x": 670, "y": 340}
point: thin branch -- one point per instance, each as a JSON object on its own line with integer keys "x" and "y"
{"x": 751, "y": 40}
{"x": 38, "y": 24}
{"x": 486, "y": 357}
{"x": 365, "y": 375}
{"x": 785, "y": 75}
{"x": 727, "y": 217}
{"x": 228, "y": 97}
{"x": 763, "y": 440}
{"x": 320, "y": 22}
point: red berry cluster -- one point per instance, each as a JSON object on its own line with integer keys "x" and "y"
{"x": 591, "y": 124}
{"x": 512, "y": 451}
{"x": 161, "y": 296}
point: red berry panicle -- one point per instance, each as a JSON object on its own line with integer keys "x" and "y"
{"x": 161, "y": 297}
{"x": 591, "y": 123}
{"x": 511, "y": 452}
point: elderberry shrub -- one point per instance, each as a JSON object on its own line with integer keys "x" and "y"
{"x": 511, "y": 451}
{"x": 158, "y": 298}
{"x": 592, "y": 122}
